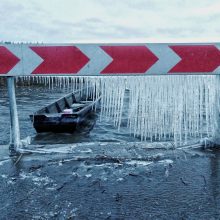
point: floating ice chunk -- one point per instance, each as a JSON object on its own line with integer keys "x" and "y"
{"x": 139, "y": 162}
{"x": 88, "y": 175}
{"x": 4, "y": 176}
{"x": 167, "y": 161}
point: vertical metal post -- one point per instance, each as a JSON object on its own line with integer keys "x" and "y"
{"x": 216, "y": 139}
{"x": 15, "y": 131}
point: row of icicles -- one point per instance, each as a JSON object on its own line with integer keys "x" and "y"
{"x": 154, "y": 108}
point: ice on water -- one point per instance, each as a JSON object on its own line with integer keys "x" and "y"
{"x": 153, "y": 108}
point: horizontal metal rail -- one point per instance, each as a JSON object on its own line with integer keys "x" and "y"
{"x": 109, "y": 59}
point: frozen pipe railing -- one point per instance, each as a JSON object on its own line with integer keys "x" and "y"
{"x": 107, "y": 59}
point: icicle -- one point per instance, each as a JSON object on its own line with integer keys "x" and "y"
{"x": 162, "y": 107}
{"x": 159, "y": 108}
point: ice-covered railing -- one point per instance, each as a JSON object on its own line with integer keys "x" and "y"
{"x": 176, "y": 108}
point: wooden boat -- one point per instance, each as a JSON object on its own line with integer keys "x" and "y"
{"x": 65, "y": 114}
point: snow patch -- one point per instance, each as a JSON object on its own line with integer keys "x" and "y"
{"x": 139, "y": 162}
{"x": 167, "y": 161}
{"x": 37, "y": 180}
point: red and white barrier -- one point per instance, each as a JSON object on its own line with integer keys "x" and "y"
{"x": 109, "y": 59}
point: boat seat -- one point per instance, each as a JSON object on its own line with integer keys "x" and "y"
{"x": 77, "y": 106}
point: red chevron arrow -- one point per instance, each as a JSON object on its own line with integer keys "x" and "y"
{"x": 196, "y": 58}
{"x": 59, "y": 59}
{"x": 129, "y": 59}
{"x": 7, "y": 60}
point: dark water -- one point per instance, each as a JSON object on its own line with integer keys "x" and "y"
{"x": 112, "y": 182}
{"x": 30, "y": 99}
{"x": 102, "y": 181}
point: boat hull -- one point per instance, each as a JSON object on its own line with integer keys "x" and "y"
{"x": 62, "y": 124}
{"x": 53, "y": 119}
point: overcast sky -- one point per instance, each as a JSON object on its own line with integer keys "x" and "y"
{"x": 109, "y": 20}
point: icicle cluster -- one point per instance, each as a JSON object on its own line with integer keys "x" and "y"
{"x": 154, "y": 107}
{"x": 163, "y": 107}
{"x": 64, "y": 83}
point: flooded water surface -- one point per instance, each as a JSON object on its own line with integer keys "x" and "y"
{"x": 101, "y": 173}
{"x": 32, "y": 98}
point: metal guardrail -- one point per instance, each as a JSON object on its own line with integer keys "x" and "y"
{"x": 101, "y": 60}
{"x": 109, "y": 59}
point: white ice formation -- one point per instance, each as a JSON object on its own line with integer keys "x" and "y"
{"x": 153, "y": 108}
